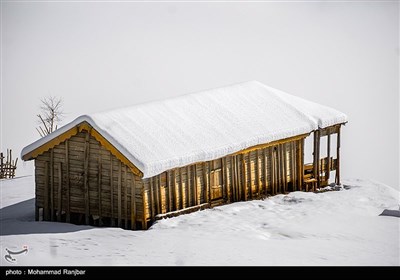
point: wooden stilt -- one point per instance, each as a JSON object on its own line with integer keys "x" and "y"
{"x": 338, "y": 158}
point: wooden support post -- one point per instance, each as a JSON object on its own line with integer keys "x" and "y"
{"x": 157, "y": 186}
{"x": 301, "y": 171}
{"x": 59, "y": 193}
{"x": 145, "y": 204}
{"x": 233, "y": 178}
{"x": 46, "y": 192}
{"x": 51, "y": 185}
{"x": 250, "y": 171}
{"x": 151, "y": 199}
{"x": 239, "y": 179}
{"x": 338, "y": 157}
{"x": 318, "y": 161}
{"x": 210, "y": 167}
{"x": 225, "y": 183}
{"x": 284, "y": 158}
{"x": 195, "y": 186}
{"x": 169, "y": 191}
{"x": 244, "y": 177}
{"x": 112, "y": 191}
{"x": 264, "y": 166}
{"x": 125, "y": 198}
{"x": 292, "y": 158}
{"x": 119, "y": 190}
{"x": 205, "y": 191}
{"x": 68, "y": 185}
{"x": 86, "y": 177}
{"x": 174, "y": 192}
{"x": 328, "y": 163}
{"x": 181, "y": 201}
{"x": 133, "y": 203}
{"x": 99, "y": 189}
{"x": 258, "y": 173}
{"x": 188, "y": 186}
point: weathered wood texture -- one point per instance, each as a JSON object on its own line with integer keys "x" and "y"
{"x": 79, "y": 180}
{"x": 89, "y": 173}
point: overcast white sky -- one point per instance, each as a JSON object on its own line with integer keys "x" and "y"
{"x": 99, "y": 56}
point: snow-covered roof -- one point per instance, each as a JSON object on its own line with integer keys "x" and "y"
{"x": 162, "y": 135}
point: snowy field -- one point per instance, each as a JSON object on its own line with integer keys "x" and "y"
{"x": 330, "y": 228}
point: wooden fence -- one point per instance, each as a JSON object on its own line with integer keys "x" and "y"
{"x": 7, "y": 168}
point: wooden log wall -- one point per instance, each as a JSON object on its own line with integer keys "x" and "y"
{"x": 80, "y": 181}
{"x": 242, "y": 176}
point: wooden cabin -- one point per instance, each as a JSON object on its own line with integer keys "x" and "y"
{"x": 129, "y": 167}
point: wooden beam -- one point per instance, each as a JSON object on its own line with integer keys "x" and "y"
{"x": 169, "y": 191}
{"x": 46, "y": 192}
{"x": 284, "y": 158}
{"x": 181, "y": 205}
{"x": 225, "y": 185}
{"x": 52, "y": 185}
{"x": 68, "y": 185}
{"x": 188, "y": 186}
{"x": 59, "y": 193}
{"x": 338, "y": 157}
{"x": 99, "y": 189}
{"x": 119, "y": 193}
{"x": 248, "y": 167}
{"x": 112, "y": 191}
{"x": 125, "y": 198}
{"x": 265, "y": 166}
{"x": 328, "y": 163}
{"x": 145, "y": 203}
{"x": 151, "y": 199}
{"x": 205, "y": 191}
{"x": 133, "y": 202}
{"x": 174, "y": 192}
{"x": 244, "y": 177}
{"x": 196, "y": 201}
{"x": 157, "y": 185}
{"x": 86, "y": 178}
{"x": 258, "y": 173}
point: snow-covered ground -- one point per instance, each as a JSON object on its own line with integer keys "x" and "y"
{"x": 330, "y": 228}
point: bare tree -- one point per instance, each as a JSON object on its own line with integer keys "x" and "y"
{"x": 51, "y": 114}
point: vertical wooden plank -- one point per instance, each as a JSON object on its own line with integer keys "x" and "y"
{"x": 67, "y": 181}
{"x": 46, "y": 192}
{"x": 181, "y": 202}
{"x": 302, "y": 163}
{"x": 196, "y": 202}
{"x": 233, "y": 179}
{"x": 264, "y": 170}
{"x": 157, "y": 186}
{"x": 151, "y": 199}
{"x": 99, "y": 189}
{"x": 51, "y": 185}
{"x": 86, "y": 177}
{"x": 188, "y": 186}
{"x": 59, "y": 193}
{"x": 225, "y": 183}
{"x": 145, "y": 203}
{"x": 210, "y": 167}
{"x": 112, "y": 191}
{"x": 258, "y": 173}
{"x": 169, "y": 191}
{"x": 338, "y": 157}
{"x": 205, "y": 182}
{"x": 125, "y": 198}
{"x": 133, "y": 202}
{"x": 284, "y": 158}
{"x": 273, "y": 170}
{"x": 328, "y": 163}
{"x": 318, "y": 160}
{"x": 239, "y": 177}
{"x": 119, "y": 194}
{"x": 293, "y": 160}
{"x": 244, "y": 171}
{"x": 250, "y": 171}
{"x": 174, "y": 192}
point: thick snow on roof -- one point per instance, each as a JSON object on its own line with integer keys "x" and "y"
{"x": 202, "y": 126}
